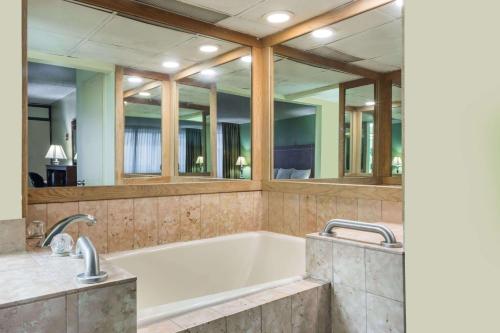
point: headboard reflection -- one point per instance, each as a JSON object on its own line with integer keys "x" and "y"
{"x": 300, "y": 157}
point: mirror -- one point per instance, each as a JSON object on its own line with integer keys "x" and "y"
{"x": 142, "y": 103}
{"x": 359, "y": 129}
{"x": 73, "y": 78}
{"x": 327, "y": 103}
{"x": 215, "y": 120}
{"x": 397, "y": 133}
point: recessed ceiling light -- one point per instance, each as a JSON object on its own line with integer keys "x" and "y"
{"x": 247, "y": 58}
{"x": 370, "y": 103}
{"x": 134, "y": 79}
{"x": 322, "y": 33}
{"x": 278, "y": 16}
{"x": 208, "y": 72}
{"x": 170, "y": 64}
{"x": 399, "y": 3}
{"x": 209, "y": 48}
{"x": 144, "y": 94}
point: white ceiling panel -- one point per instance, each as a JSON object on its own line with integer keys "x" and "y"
{"x": 230, "y": 7}
{"x": 252, "y": 21}
{"x": 394, "y": 59}
{"x": 254, "y": 28}
{"x": 189, "y": 50}
{"x": 52, "y": 43}
{"x": 375, "y": 66}
{"x": 118, "y": 55}
{"x": 343, "y": 29}
{"x": 60, "y": 16}
{"x": 392, "y": 9}
{"x": 138, "y": 35}
{"x": 327, "y": 52}
{"x": 383, "y": 40}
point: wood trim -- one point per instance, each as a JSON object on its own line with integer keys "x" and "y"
{"x": 268, "y": 113}
{"x": 328, "y": 18}
{"x": 213, "y": 62}
{"x": 193, "y": 83}
{"x": 149, "y": 14}
{"x": 341, "y": 130}
{"x": 71, "y": 194}
{"x": 119, "y": 125}
{"x": 146, "y": 74}
{"x": 24, "y": 106}
{"x": 313, "y": 59}
{"x": 166, "y": 106}
{"x": 257, "y": 113}
{"x": 376, "y": 192}
{"x": 392, "y": 180}
{"x": 383, "y": 128}
{"x": 145, "y": 87}
{"x": 213, "y": 130}
{"x": 358, "y": 83}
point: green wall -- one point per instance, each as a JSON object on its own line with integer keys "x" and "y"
{"x": 295, "y": 131}
{"x": 246, "y": 148}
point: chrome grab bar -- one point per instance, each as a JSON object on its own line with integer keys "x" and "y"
{"x": 389, "y": 238}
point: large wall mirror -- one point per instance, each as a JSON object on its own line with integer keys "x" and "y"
{"x": 101, "y": 92}
{"x": 337, "y": 100}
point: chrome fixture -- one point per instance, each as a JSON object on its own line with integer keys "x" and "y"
{"x": 92, "y": 273}
{"x": 60, "y": 226}
{"x": 389, "y": 238}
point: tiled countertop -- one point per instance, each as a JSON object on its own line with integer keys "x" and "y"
{"x": 27, "y": 277}
{"x": 365, "y": 239}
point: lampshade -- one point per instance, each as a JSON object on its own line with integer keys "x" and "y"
{"x": 241, "y": 161}
{"x": 397, "y": 161}
{"x": 199, "y": 160}
{"x": 56, "y": 152}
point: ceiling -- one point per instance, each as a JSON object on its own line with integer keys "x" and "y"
{"x": 48, "y": 84}
{"x": 109, "y": 38}
{"x": 373, "y": 40}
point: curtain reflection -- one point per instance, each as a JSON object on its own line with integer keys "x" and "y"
{"x": 142, "y": 150}
{"x": 232, "y": 150}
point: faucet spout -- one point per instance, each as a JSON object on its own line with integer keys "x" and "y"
{"x": 60, "y": 226}
{"x": 92, "y": 273}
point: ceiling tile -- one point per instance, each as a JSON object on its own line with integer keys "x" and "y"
{"x": 375, "y": 66}
{"x": 118, "y": 55}
{"x": 343, "y": 29}
{"x": 133, "y": 34}
{"x": 189, "y": 50}
{"x": 186, "y": 9}
{"x": 257, "y": 29}
{"x": 392, "y": 9}
{"x": 327, "y": 52}
{"x": 394, "y": 59}
{"x": 52, "y": 43}
{"x": 230, "y": 7}
{"x": 63, "y": 17}
{"x": 383, "y": 40}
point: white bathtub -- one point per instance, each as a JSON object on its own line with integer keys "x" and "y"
{"x": 176, "y": 278}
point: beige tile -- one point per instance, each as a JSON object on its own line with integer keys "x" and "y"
{"x": 326, "y": 210}
{"x": 349, "y": 265}
{"x": 210, "y": 215}
{"x": 145, "y": 222}
{"x": 276, "y": 211}
{"x": 305, "y": 311}
{"x": 169, "y": 217}
{"x": 248, "y": 321}
{"x": 229, "y": 213}
{"x": 164, "y": 326}
{"x": 261, "y": 207}
{"x": 196, "y": 318}
{"x": 214, "y": 326}
{"x": 392, "y": 211}
{"x": 324, "y": 309}
{"x": 277, "y": 316}
{"x": 307, "y": 214}
{"x": 245, "y": 222}
{"x": 59, "y": 211}
{"x": 190, "y": 217}
{"x": 37, "y": 212}
{"x": 384, "y": 315}
{"x": 348, "y": 310}
{"x": 42, "y": 316}
{"x": 234, "y": 306}
{"x": 12, "y": 236}
{"x": 108, "y": 310}
{"x": 72, "y": 313}
{"x": 291, "y": 203}
{"x": 347, "y": 208}
{"x": 266, "y": 296}
{"x": 385, "y": 274}
{"x": 120, "y": 225}
{"x": 98, "y": 233}
{"x": 319, "y": 259}
{"x": 369, "y": 210}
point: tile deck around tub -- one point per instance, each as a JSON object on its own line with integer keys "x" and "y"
{"x": 292, "y": 307}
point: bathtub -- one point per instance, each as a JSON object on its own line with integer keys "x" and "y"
{"x": 177, "y": 278}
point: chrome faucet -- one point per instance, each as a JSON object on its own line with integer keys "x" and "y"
{"x": 60, "y": 226}
{"x": 92, "y": 273}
